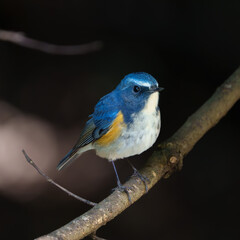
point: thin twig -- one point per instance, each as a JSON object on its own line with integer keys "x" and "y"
{"x": 20, "y": 39}
{"x": 167, "y": 158}
{"x": 95, "y": 237}
{"x": 30, "y": 161}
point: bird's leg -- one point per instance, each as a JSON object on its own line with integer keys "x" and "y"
{"x": 120, "y": 187}
{"x": 139, "y": 175}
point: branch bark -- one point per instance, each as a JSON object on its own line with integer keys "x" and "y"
{"x": 166, "y": 159}
{"x": 20, "y": 39}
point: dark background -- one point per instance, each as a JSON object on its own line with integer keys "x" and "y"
{"x": 190, "y": 47}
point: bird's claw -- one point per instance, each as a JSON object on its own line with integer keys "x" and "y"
{"x": 144, "y": 179}
{"x": 125, "y": 189}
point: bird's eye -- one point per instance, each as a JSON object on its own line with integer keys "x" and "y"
{"x": 136, "y": 89}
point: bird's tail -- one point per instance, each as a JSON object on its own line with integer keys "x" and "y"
{"x": 72, "y": 155}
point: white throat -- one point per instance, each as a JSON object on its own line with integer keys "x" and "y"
{"x": 151, "y": 103}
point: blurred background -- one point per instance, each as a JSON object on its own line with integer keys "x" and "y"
{"x": 190, "y": 47}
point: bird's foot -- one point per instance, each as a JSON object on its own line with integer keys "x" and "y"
{"x": 144, "y": 179}
{"x": 125, "y": 189}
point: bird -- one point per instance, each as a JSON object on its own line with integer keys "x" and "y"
{"x": 125, "y": 122}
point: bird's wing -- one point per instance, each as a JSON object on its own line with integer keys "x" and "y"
{"x": 105, "y": 112}
{"x": 98, "y": 125}
{"x": 83, "y": 144}
{"x": 108, "y": 119}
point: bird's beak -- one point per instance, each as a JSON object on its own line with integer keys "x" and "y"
{"x": 157, "y": 89}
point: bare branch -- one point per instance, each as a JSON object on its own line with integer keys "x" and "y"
{"x": 167, "y": 158}
{"x": 20, "y": 39}
{"x": 30, "y": 161}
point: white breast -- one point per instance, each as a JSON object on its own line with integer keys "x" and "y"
{"x": 138, "y": 136}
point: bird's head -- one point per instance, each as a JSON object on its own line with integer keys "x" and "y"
{"x": 139, "y": 90}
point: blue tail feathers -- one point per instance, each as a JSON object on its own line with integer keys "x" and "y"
{"x": 71, "y": 155}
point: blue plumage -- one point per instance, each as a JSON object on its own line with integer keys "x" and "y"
{"x": 106, "y": 111}
{"x": 140, "y": 78}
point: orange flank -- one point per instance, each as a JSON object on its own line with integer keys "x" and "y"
{"x": 114, "y": 131}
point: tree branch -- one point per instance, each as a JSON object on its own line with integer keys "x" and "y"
{"x": 20, "y": 39}
{"x": 167, "y": 158}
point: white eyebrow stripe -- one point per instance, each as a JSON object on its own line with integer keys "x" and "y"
{"x": 144, "y": 84}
